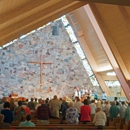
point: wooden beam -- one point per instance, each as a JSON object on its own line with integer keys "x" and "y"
{"x": 125, "y": 16}
{"x": 33, "y": 18}
{"x": 89, "y": 55}
{"x": 106, "y": 39}
{"x": 21, "y": 10}
{"x": 115, "y": 2}
{"x": 40, "y": 23}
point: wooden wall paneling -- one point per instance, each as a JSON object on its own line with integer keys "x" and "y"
{"x": 39, "y": 15}
{"x": 21, "y": 10}
{"x": 116, "y": 2}
{"x": 103, "y": 29}
{"x": 40, "y": 23}
{"x": 7, "y": 5}
{"x": 85, "y": 47}
{"x": 91, "y": 37}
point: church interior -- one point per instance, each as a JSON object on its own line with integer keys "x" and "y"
{"x": 65, "y": 64}
{"x": 52, "y": 47}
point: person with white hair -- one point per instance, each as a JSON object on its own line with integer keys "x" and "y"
{"x": 72, "y": 114}
{"x": 2, "y": 124}
{"x": 99, "y": 118}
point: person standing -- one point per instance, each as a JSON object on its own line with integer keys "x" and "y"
{"x": 127, "y": 114}
{"x": 104, "y": 96}
{"x": 85, "y": 112}
{"x": 114, "y": 111}
{"x": 99, "y": 118}
{"x": 93, "y": 108}
{"x": 2, "y": 124}
{"x": 55, "y": 106}
{"x": 122, "y": 110}
{"x": 72, "y": 114}
{"x": 43, "y": 113}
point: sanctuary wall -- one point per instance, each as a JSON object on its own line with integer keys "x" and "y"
{"x": 19, "y": 76}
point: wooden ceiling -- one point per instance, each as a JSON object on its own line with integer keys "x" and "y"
{"x": 18, "y": 17}
{"x": 114, "y": 2}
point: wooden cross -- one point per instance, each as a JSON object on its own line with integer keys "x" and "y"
{"x": 41, "y": 66}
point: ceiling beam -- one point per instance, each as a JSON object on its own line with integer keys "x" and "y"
{"x": 40, "y": 23}
{"x": 21, "y": 10}
{"x": 125, "y": 16}
{"x": 115, "y": 2}
{"x": 33, "y": 18}
{"x": 88, "y": 53}
{"x": 106, "y": 40}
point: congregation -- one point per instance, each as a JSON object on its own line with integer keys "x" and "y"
{"x": 73, "y": 112}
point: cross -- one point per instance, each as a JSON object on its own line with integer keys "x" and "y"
{"x": 41, "y": 66}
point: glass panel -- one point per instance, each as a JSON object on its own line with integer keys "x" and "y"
{"x": 112, "y": 83}
{"x": 87, "y": 67}
{"x": 71, "y": 33}
{"x": 64, "y": 20}
{"x": 94, "y": 81}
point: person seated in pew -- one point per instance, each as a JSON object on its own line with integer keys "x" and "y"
{"x": 99, "y": 118}
{"x": 27, "y": 122}
{"x": 72, "y": 114}
{"x": 8, "y": 114}
{"x": 2, "y": 124}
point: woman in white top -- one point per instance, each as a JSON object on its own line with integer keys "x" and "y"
{"x": 99, "y": 118}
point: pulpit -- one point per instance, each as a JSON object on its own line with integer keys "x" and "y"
{"x": 14, "y": 95}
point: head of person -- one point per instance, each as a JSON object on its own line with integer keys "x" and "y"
{"x": 39, "y": 100}
{"x": 6, "y": 105}
{"x": 26, "y": 100}
{"x": 115, "y": 98}
{"x": 71, "y": 104}
{"x": 86, "y": 102}
{"x": 55, "y": 96}
{"x": 4, "y": 99}
{"x": 20, "y": 103}
{"x": 28, "y": 117}
{"x": 123, "y": 103}
{"x": 35, "y": 99}
{"x": 92, "y": 101}
{"x": 77, "y": 99}
{"x": 113, "y": 103}
{"x": 42, "y": 101}
{"x": 98, "y": 109}
{"x": 31, "y": 99}
{"x": 103, "y": 91}
{"x": 1, "y": 117}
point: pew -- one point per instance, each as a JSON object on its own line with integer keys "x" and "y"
{"x": 126, "y": 126}
{"x": 120, "y": 124}
{"x": 56, "y": 127}
{"x": 115, "y": 120}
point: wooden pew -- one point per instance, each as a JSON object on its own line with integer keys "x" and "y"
{"x": 120, "y": 124}
{"x": 115, "y": 120}
{"x": 55, "y": 127}
{"x": 126, "y": 126}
